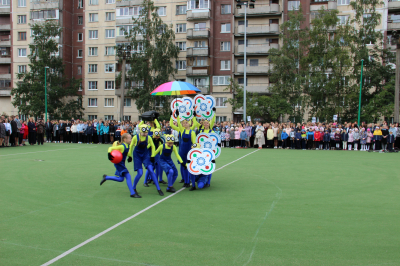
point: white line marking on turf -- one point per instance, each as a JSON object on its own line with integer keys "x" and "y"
{"x": 126, "y": 220}
{"x": 50, "y": 150}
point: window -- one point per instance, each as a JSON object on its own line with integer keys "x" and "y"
{"x": 93, "y": 51}
{"x": 110, "y": 33}
{"x": 110, "y": 50}
{"x": 127, "y": 102}
{"x": 240, "y": 61}
{"x": 162, "y": 11}
{"x": 129, "y": 11}
{"x": 110, "y": 16}
{"x": 225, "y": 9}
{"x": 92, "y": 68}
{"x": 80, "y": 53}
{"x": 180, "y": 28}
{"x": 126, "y": 118}
{"x": 220, "y": 101}
{"x": 110, "y": 1}
{"x": 109, "y": 68}
{"x": 80, "y": 20}
{"x": 225, "y": 46}
{"x": 80, "y": 86}
{"x": 200, "y": 26}
{"x": 109, "y": 102}
{"x": 93, "y": 2}
{"x": 79, "y": 70}
{"x": 293, "y": 5}
{"x": 92, "y": 117}
{"x": 181, "y": 10}
{"x": 109, "y": 85}
{"x": 198, "y": 4}
{"x": 92, "y": 85}
{"x": 342, "y": 20}
{"x": 22, "y": 36}
{"x": 4, "y": 2}
{"x": 225, "y": 64}
{"x": 241, "y": 22}
{"x": 200, "y": 61}
{"x": 343, "y": 2}
{"x": 366, "y": 17}
{"x": 21, "y": 3}
{"x": 200, "y": 44}
{"x": 22, "y": 52}
{"x": 221, "y": 80}
{"x": 92, "y": 102}
{"x": 181, "y": 64}
{"x": 108, "y": 117}
{"x": 241, "y": 81}
{"x": 44, "y": 14}
{"x": 253, "y": 62}
{"x": 22, "y": 69}
{"x": 80, "y": 3}
{"x": 22, "y": 19}
{"x": 220, "y": 119}
{"x": 226, "y": 27}
{"x": 93, "y": 34}
{"x": 80, "y": 37}
{"x": 125, "y": 30}
{"x": 181, "y": 45}
{"x": 93, "y": 17}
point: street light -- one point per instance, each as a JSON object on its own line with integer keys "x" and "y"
{"x": 124, "y": 51}
{"x": 396, "y": 37}
{"x": 45, "y": 93}
{"x": 239, "y": 5}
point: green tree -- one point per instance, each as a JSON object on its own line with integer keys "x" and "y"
{"x": 367, "y": 44}
{"x": 29, "y": 94}
{"x": 152, "y": 58}
{"x": 264, "y": 107}
{"x": 381, "y": 104}
{"x": 289, "y": 72}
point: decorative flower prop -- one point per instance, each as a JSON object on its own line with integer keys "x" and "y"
{"x": 184, "y": 106}
{"x": 201, "y": 161}
{"x": 210, "y": 141}
{"x": 203, "y": 106}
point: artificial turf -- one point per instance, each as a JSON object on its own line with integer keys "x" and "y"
{"x": 273, "y": 207}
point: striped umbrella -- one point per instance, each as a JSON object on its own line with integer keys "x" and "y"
{"x": 175, "y": 88}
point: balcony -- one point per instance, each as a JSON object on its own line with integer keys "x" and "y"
{"x": 45, "y": 4}
{"x": 204, "y": 89}
{"x": 253, "y": 70}
{"x": 6, "y": 27}
{"x": 129, "y": 3}
{"x": 197, "y": 71}
{"x": 258, "y": 88}
{"x": 394, "y": 5}
{"x": 202, "y": 33}
{"x": 5, "y": 41}
{"x": 201, "y": 14}
{"x": 4, "y": 92}
{"x": 259, "y": 11}
{"x": 256, "y": 49}
{"x": 5, "y": 59}
{"x": 4, "y": 10}
{"x": 192, "y": 51}
{"x": 327, "y": 5}
{"x": 258, "y": 30}
{"x": 5, "y": 76}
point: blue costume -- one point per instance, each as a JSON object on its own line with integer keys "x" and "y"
{"x": 121, "y": 172}
{"x": 156, "y": 165}
{"x": 184, "y": 148}
{"x": 202, "y": 180}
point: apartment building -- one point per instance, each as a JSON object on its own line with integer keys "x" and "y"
{"x": 5, "y": 57}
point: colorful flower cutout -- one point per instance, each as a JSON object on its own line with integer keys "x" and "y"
{"x": 185, "y": 107}
{"x": 203, "y": 106}
{"x": 201, "y": 161}
{"x": 210, "y": 141}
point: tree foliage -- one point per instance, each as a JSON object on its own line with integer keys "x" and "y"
{"x": 29, "y": 94}
{"x": 152, "y": 60}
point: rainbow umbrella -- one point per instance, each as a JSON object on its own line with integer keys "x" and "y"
{"x": 175, "y": 88}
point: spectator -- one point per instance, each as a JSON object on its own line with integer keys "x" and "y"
{"x": 49, "y": 130}
{"x": 40, "y": 131}
{"x": 32, "y": 131}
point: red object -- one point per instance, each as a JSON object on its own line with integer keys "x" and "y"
{"x": 117, "y": 156}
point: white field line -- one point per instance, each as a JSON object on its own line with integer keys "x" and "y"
{"x": 50, "y": 150}
{"x": 127, "y": 219}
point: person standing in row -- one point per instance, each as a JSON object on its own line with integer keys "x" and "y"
{"x": 40, "y": 132}
{"x": 32, "y": 131}
{"x": 49, "y": 130}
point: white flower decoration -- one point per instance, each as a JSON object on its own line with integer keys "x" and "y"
{"x": 201, "y": 161}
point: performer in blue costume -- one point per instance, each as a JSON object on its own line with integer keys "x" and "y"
{"x": 187, "y": 139}
{"x": 159, "y": 172}
{"x": 166, "y": 162}
{"x": 121, "y": 172}
{"x": 201, "y": 180}
{"x": 139, "y": 145}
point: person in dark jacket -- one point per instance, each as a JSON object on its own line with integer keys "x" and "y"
{"x": 49, "y": 130}
{"x": 40, "y": 131}
{"x": 61, "y": 130}
{"x": 89, "y": 133}
{"x": 390, "y": 141}
{"x": 297, "y": 137}
{"x": 14, "y": 132}
{"x": 327, "y": 139}
{"x": 32, "y": 131}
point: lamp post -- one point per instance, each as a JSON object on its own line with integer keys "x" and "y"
{"x": 123, "y": 52}
{"x": 239, "y": 5}
{"x": 45, "y": 93}
{"x": 359, "y": 100}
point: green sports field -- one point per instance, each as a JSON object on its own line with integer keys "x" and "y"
{"x": 272, "y": 207}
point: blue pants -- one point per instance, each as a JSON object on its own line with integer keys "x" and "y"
{"x": 172, "y": 175}
{"x": 185, "y": 175}
{"x": 151, "y": 173}
{"x": 159, "y": 174}
{"x": 201, "y": 180}
{"x": 128, "y": 178}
